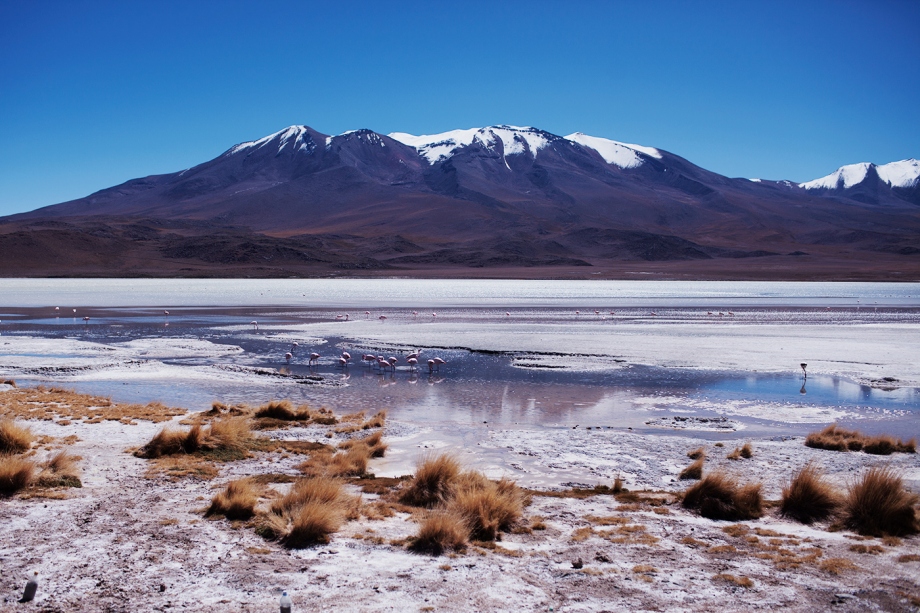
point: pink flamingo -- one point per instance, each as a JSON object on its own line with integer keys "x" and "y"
{"x": 415, "y": 355}
{"x": 382, "y": 364}
{"x": 343, "y": 362}
{"x": 86, "y": 319}
{"x": 430, "y": 366}
{"x": 434, "y": 314}
{"x": 254, "y": 324}
{"x": 166, "y": 313}
{"x": 346, "y": 355}
{"x": 392, "y": 362}
{"x": 314, "y": 358}
{"x": 507, "y": 314}
{"x": 288, "y": 356}
{"x": 382, "y": 317}
{"x": 438, "y": 362}
{"x": 367, "y": 314}
{"x": 413, "y": 363}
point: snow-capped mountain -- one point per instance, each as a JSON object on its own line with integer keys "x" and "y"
{"x": 905, "y": 173}
{"x": 499, "y": 195}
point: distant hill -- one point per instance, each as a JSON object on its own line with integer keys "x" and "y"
{"x": 501, "y": 201}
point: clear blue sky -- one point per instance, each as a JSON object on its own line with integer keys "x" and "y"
{"x": 95, "y": 93}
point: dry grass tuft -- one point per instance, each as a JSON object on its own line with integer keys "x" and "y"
{"x": 283, "y": 410}
{"x": 908, "y": 557}
{"x": 377, "y": 421}
{"x": 60, "y": 471}
{"x": 718, "y": 496}
{"x": 747, "y": 452}
{"x": 741, "y": 581}
{"x": 808, "y": 497}
{"x": 836, "y": 566}
{"x": 13, "y": 438}
{"x": 312, "y": 525}
{"x": 224, "y": 439}
{"x": 10, "y": 382}
{"x": 696, "y": 454}
{"x": 15, "y": 474}
{"x": 237, "y": 501}
{"x": 441, "y": 531}
{"x": 694, "y": 471}
{"x": 433, "y": 482}
{"x": 879, "y": 505}
{"x": 617, "y": 485}
{"x": 313, "y": 509}
{"x": 487, "y": 506}
{"x": 838, "y": 439}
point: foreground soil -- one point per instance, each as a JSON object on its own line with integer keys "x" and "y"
{"x": 134, "y": 537}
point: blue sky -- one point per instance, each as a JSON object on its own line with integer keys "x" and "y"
{"x": 95, "y": 93}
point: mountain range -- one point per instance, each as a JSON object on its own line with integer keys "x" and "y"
{"x": 500, "y": 200}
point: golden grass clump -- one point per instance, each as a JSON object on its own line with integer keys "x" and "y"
{"x": 312, "y": 524}
{"x": 10, "y": 382}
{"x": 747, "y": 452}
{"x": 60, "y": 471}
{"x": 433, "y": 482}
{"x": 487, "y": 507}
{"x": 223, "y": 439}
{"x": 13, "y": 438}
{"x": 313, "y": 509}
{"x": 15, "y": 474}
{"x": 170, "y": 441}
{"x": 237, "y": 501}
{"x": 283, "y": 410}
{"x": 740, "y": 581}
{"x": 694, "y": 471}
{"x": 808, "y": 497}
{"x": 696, "y": 454}
{"x": 719, "y": 496}
{"x": 377, "y": 421}
{"x": 837, "y": 439}
{"x": 441, "y": 531}
{"x": 879, "y": 505}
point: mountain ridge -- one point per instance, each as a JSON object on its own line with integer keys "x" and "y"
{"x": 498, "y": 196}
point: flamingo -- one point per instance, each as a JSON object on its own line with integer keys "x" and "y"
{"x": 597, "y": 312}
{"x": 414, "y": 313}
{"x": 57, "y": 308}
{"x": 413, "y": 362}
{"x": 369, "y": 358}
{"x": 294, "y": 346}
{"x": 288, "y": 356}
{"x": 382, "y": 317}
{"x": 438, "y": 362}
{"x": 254, "y": 324}
{"x": 434, "y": 314}
{"x": 343, "y": 362}
{"x": 166, "y": 313}
{"x": 392, "y": 362}
{"x": 367, "y": 314}
{"x": 86, "y": 318}
{"x": 430, "y": 366}
{"x": 507, "y": 314}
{"x": 382, "y": 364}
{"x": 578, "y": 312}
{"x": 346, "y": 355}
{"x": 415, "y": 355}
{"x": 314, "y": 358}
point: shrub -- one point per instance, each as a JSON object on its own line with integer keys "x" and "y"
{"x": 878, "y": 505}
{"x": 13, "y": 438}
{"x": 617, "y": 485}
{"x": 441, "y": 531}
{"x": 224, "y": 438}
{"x": 747, "y": 452}
{"x": 15, "y": 474}
{"x": 487, "y": 507}
{"x": 808, "y": 497}
{"x": 694, "y": 471}
{"x": 237, "y": 501}
{"x": 718, "y": 496}
{"x": 886, "y": 445}
{"x": 228, "y": 436}
{"x": 433, "y": 482}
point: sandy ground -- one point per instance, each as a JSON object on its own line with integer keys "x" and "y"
{"x": 128, "y": 542}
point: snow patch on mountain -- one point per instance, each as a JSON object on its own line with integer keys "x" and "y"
{"x": 900, "y": 174}
{"x": 896, "y": 174}
{"x": 619, "y": 154}
{"x": 515, "y": 140}
{"x": 297, "y": 135}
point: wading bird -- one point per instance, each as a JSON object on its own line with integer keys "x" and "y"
{"x": 314, "y": 358}
{"x": 288, "y": 356}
